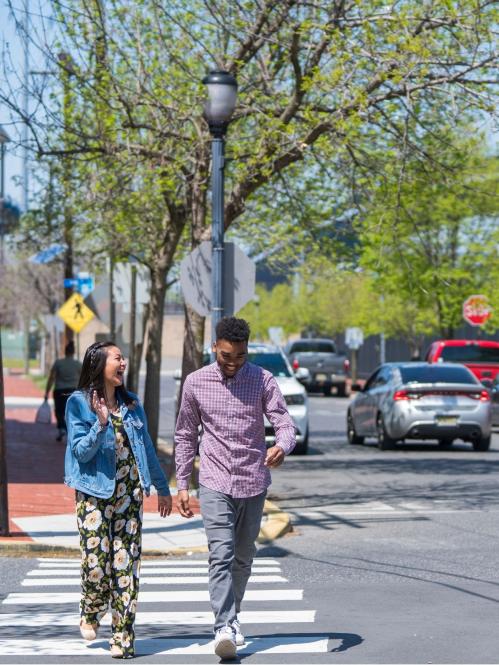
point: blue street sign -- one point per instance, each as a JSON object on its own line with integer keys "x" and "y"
{"x": 83, "y": 284}
{"x": 47, "y": 255}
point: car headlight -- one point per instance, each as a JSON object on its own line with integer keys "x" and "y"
{"x": 294, "y": 399}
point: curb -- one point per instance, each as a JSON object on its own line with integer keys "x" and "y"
{"x": 277, "y": 524}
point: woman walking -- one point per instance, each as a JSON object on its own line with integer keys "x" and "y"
{"x": 111, "y": 463}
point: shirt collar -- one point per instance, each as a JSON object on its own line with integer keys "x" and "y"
{"x": 236, "y": 378}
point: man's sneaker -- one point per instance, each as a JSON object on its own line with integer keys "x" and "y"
{"x": 236, "y": 627}
{"x": 225, "y": 643}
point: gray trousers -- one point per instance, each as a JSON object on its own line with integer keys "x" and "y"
{"x": 232, "y": 526}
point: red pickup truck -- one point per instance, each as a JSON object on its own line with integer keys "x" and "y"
{"x": 480, "y": 356}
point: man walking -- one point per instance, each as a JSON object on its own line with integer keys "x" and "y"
{"x": 229, "y": 399}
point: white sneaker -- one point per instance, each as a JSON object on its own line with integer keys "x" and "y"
{"x": 225, "y": 643}
{"x": 236, "y": 627}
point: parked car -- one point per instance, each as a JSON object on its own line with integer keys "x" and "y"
{"x": 421, "y": 401}
{"x": 273, "y": 359}
{"x": 494, "y": 396}
{"x": 480, "y": 356}
{"x": 328, "y": 368}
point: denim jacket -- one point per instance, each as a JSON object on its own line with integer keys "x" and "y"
{"x": 90, "y": 463}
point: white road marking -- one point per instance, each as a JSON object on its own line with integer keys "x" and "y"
{"x": 249, "y": 617}
{"x": 151, "y": 563}
{"x": 153, "y": 597}
{"x": 68, "y": 571}
{"x": 166, "y": 581}
{"x": 160, "y": 646}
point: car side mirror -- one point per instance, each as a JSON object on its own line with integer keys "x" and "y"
{"x": 302, "y": 374}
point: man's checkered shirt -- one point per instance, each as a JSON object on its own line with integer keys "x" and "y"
{"x": 231, "y": 414}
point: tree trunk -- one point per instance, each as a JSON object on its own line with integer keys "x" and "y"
{"x": 153, "y": 354}
{"x": 192, "y": 357}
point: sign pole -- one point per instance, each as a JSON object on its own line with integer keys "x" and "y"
{"x": 217, "y": 234}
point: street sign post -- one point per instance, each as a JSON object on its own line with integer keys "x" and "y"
{"x": 196, "y": 279}
{"x": 354, "y": 338}
{"x": 476, "y": 310}
{"x": 75, "y": 313}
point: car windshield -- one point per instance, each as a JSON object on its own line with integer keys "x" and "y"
{"x": 313, "y": 347}
{"x": 273, "y": 362}
{"x": 436, "y": 374}
{"x": 471, "y": 353}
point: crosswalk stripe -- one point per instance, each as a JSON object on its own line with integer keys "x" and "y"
{"x": 251, "y": 595}
{"x": 165, "y": 646}
{"x": 50, "y": 561}
{"x": 166, "y": 581}
{"x": 248, "y": 617}
{"x": 67, "y": 572}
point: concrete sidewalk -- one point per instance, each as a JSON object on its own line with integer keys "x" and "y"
{"x": 41, "y": 507}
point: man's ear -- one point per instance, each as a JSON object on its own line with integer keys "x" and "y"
{"x": 214, "y": 347}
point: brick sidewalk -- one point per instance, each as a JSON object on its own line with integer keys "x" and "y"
{"x": 35, "y": 463}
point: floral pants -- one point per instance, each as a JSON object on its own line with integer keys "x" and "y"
{"x": 110, "y": 541}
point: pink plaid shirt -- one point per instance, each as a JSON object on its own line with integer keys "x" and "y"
{"x": 230, "y": 411}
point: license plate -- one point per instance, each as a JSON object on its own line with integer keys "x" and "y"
{"x": 447, "y": 420}
{"x": 321, "y": 377}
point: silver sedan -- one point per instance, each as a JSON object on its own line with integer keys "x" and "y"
{"x": 401, "y": 401}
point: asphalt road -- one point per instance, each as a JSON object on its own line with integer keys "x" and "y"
{"x": 393, "y": 559}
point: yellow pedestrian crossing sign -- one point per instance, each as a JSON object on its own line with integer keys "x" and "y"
{"x": 75, "y": 313}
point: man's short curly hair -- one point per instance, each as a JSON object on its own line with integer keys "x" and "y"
{"x": 232, "y": 329}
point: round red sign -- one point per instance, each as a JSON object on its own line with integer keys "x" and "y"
{"x": 476, "y": 310}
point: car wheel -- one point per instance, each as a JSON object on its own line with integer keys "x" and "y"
{"x": 385, "y": 441}
{"x": 342, "y": 390}
{"x": 353, "y": 438}
{"x": 482, "y": 444}
{"x": 445, "y": 444}
{"x": 301, "y": 448}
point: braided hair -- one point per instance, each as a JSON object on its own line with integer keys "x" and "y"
{"x": 92, "y": 373}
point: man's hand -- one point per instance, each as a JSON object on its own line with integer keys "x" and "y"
{"x": 183, "y": 504}
{"x": 164, "y": 505}
{"x": 275, "y": 457}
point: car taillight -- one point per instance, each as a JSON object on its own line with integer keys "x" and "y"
{"x": 346, "y": 365}
{"x": 483, "y": 396}
{"x": 401, "y": 395}
{"x": 296, "y": 364}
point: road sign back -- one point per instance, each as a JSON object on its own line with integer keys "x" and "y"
{"x": 75, "y": 313}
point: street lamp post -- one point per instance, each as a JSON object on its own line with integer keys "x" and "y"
{"x": 4, "y": 505}
{"x": 222, "y": 94}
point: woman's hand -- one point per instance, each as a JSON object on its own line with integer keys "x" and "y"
{"x": 100, "y": 407}
{"x": 164, "y": 505}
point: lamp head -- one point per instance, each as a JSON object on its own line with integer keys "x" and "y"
{"x": 222, "y": 93}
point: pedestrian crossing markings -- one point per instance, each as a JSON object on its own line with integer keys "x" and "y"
{"x": 165, "y": 574}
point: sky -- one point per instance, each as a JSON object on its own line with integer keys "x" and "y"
{"x": 11, "y": 42}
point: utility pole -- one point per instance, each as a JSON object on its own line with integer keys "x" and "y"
{"x": 67, "y": 72}
{"x": 131, "y": 383}
{"x": 4, "y": 502}
{"x": 4, "y": 499}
